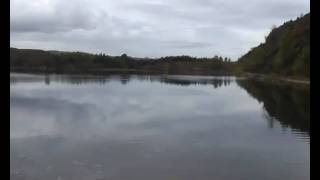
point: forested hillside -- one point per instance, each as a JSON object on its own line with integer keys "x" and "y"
{"x": 285, "y": 52}
{"x": 30, "y": 60}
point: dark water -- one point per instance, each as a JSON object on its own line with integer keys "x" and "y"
{"x": 157, "y": 128}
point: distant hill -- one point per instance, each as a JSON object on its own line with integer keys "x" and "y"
{"x": 32, "y": 60}
{"x": 285, "y": 52}
{"x": 29, "y": 57}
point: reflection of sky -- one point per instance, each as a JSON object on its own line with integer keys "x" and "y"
{"x": 149, "y": 118}
{"x": 113, "y": 105}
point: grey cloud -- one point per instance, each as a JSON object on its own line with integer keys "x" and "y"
{"x": 185, "y": 44}
{"x": 62, "y": 16}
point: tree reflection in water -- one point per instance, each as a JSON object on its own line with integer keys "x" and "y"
{"x": 287, "y": 103}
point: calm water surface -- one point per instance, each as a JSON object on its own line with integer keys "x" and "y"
{"x": 124, "y": 127}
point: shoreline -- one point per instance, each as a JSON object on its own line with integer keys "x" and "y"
{"x": 275, "y": 78}
{"x": 307, "y": 82}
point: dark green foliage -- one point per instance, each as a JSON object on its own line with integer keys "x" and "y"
{"x": 53, "y": 61}
{"x": 286, "y": 51}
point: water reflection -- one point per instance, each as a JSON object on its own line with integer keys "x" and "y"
{"x": 287, "y": 103}
{"x": 216, "y": 82}
{"x": 153, "y": 127}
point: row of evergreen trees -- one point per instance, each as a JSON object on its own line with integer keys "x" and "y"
{"x": 53, "y": 61}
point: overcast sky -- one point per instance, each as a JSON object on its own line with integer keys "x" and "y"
{"x": 149, "y": 28}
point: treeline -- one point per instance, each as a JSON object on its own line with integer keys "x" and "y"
{"x": 286, "y": 51}
{"x": 55, "y": 61}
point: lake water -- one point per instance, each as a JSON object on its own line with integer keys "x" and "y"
{"x": 129, "y": 127}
